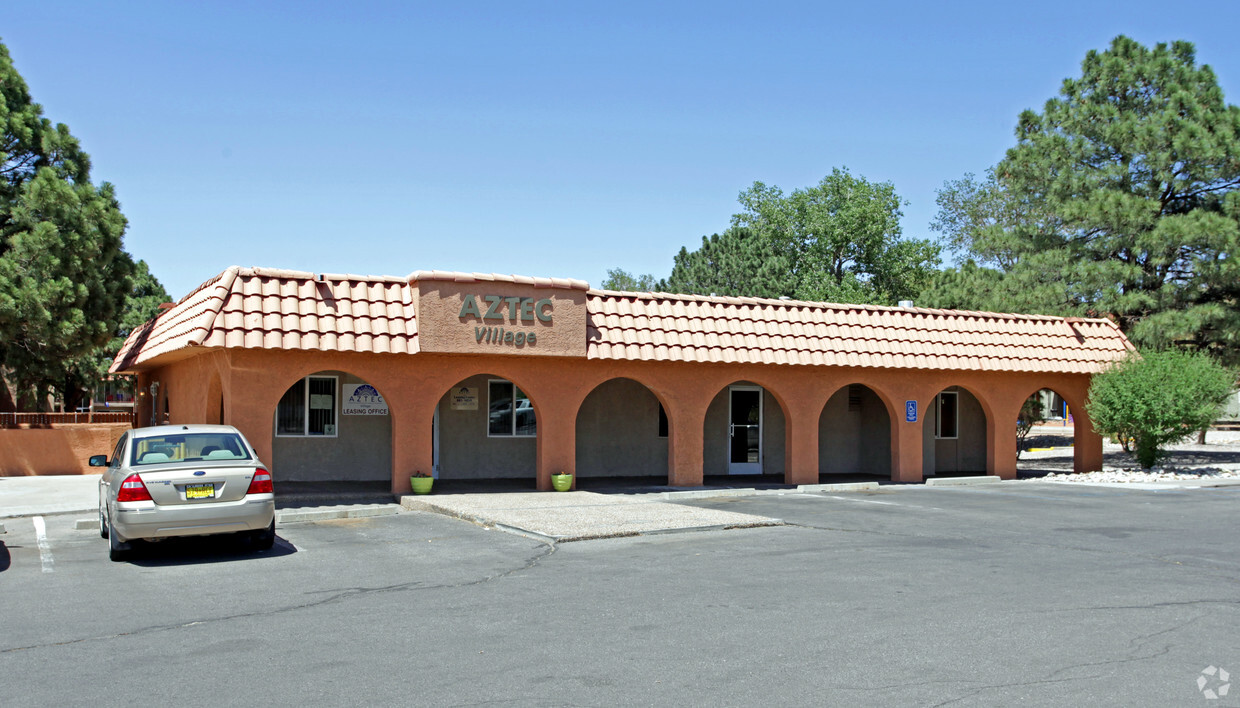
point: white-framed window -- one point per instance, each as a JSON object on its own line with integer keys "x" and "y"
{"x": 947, "y": 415}
{"x": 510, "y": 413}
{"x": 308, "y": 408}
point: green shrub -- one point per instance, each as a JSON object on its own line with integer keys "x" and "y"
{"x": 1158, "y": 398}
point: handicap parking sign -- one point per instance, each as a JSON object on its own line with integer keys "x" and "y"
{"x": 910, "y": 411}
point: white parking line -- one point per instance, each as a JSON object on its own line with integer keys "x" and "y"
{"x": 875, "y": 501}
{"x": 45, "y": 549}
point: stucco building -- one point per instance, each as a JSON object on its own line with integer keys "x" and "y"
{"x": 344, "y": 377}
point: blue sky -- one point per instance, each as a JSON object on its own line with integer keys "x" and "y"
{"x": 557, "y": 139}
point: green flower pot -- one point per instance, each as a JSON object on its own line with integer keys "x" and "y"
{"x": 421, "y": 485}
{"x": 562, "y": 482}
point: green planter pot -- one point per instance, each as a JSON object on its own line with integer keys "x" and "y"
{"x": 421, "y": 485}
{"x": 562, "y": 482}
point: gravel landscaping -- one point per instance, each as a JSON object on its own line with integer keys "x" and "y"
{"x": 1050, "y": 460}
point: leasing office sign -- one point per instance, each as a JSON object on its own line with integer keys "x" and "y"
{"x": 501, "y": 318}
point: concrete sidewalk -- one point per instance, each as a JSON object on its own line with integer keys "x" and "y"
{"x": 59, "y": 494}
{"x": 578, "y": 516}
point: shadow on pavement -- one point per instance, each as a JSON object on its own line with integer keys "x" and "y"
{"x": 201, "y": 550}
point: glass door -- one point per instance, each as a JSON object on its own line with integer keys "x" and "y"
{"x": 745, "y": 430}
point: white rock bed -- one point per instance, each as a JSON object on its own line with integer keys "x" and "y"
{"x": 1138, "y": 475}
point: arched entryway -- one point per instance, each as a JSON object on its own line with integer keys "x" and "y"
{"x": 954, "y": 434}
{"x": 854, "y": 435}
{"x": 485, "y": 428}
{"x": 622, "y": 432}
{"x": 744, "y": 434}
{"x": 332, "y": 426}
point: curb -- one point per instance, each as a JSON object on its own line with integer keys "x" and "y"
{"x": 961, "y": 481}
{"x": 845, "y": 487}
{"x": 357, "y": 512}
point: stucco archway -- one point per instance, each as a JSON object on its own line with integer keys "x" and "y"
{"x": 745, "y": 433}
{"x": 854, "y": 434}
{"x": 954, "y": 433}
{"x": 331, "y": 426}
{"x": 486, "y": 427}
{"x": 622, "y": 431}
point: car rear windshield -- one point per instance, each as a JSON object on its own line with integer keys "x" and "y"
{"x": 189, "y": 447}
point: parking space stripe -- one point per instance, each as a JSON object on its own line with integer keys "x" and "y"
{"x": 45, "y": 548}
{"x": 875, "y": 501}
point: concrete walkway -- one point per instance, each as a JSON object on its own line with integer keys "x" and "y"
{"x": 577, "y": 516}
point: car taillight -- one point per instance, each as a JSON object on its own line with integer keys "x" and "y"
{"x": 261, "y": 483}
{"x": 133, "y": 490}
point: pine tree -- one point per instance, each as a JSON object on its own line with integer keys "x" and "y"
{"x": 63, "y": 273}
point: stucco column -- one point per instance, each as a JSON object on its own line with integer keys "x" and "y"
{"x": 412, "y": 438}
{"x": 1086, "y": 444}
{"x": 1001, "y": 441}
{"x": 906, "y": 442}
{"x": 557, "y": 442}
{"x": 801, "y": 444}
{"x": 687, "y": 421}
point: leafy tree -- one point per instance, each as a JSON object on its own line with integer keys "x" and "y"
{"x": 619, "y": 279}
{"x": 63, "y": 273}
{"x": 1158, "y": 398}
{"x": 1031, "y": 413}
{"x": 1121, "y": 198}
{"x": 840, "y": 239}
{"x": 737, "y": 263}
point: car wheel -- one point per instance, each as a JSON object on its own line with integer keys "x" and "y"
{"x": 117, "y": 550}
{"x": 266, "y": 538}
{"x": 103, "y": 523}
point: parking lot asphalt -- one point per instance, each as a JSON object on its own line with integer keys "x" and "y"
{"x": 1028, "y": 593}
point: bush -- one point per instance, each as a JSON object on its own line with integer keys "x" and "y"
{"x": 1158, "y": 398}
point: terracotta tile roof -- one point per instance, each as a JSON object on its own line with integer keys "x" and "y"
{"x": 265, "y": 308}
{"x": 666, "y": 327}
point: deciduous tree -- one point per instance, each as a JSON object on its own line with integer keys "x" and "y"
{"x": 840, "y": 239}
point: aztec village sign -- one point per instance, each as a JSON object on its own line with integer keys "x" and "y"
{"x": 500, "y": 309}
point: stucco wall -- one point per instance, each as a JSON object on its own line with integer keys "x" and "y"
{"x": 465, "y": 450}
{"x": 361, "y": 450}
{"x": 58, "y": 450}
{"x": 715, "y": 452}
{"x": 618, "y": 432}
{"x": 967, "y": 453}
{"x": 854, "y": 442}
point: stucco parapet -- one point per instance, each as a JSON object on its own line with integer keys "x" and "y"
{"x": 460, "y": 277}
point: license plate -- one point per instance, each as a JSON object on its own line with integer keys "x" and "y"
{"x": 200, "y": 491}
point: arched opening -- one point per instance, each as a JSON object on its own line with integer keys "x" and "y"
{"x": 1045, "y": 421}
{"x": 622, "y": 433}
{"x": 1046, "y": 434}
{"x": 854, "y": 435}
{"x": 744, "y": 434}
{"x": 485, "y": 427}
{"x": 332, "y": 426}
{"x": 954, "y": 434}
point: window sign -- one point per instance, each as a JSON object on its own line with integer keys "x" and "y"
{"x": 465, "y": 398}
{"x": 362, "y": 399}
{"x": 320, "y": 401}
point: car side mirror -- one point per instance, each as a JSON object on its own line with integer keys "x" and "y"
{"x": 98, "y": 460}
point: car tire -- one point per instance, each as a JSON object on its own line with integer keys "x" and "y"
{"x": 266, "y": 538}
{"x": 117, "y": 550}
{"x": 103, "y": 523}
